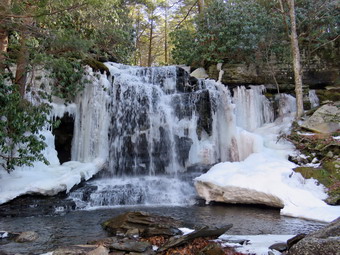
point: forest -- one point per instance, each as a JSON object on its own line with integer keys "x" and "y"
{"x": 64, "y": 36}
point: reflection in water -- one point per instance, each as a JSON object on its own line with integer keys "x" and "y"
{"x": 78, "y": 227}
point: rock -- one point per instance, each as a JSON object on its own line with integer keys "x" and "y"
{"x": 322, "y": 242}
{"x": 99, "y": 251}
{"x": 104, "y": 242}
{"x": 130, "y": 246}
{"x": 324, "y": 120}
{"x": 294, "y": 240}
{"x": 82, "y": 250}
{"x": 28, "y": 236}
{"x": 199, "y": 73}
{"x": 281, "y": 247}
{"x": 202, "y": 232}
{"x": 235, "y": 195}
{"x": 37, "y": 205}
{"x": 117, "y": 253}
{"x": 212, "y": 249}
{"x": 8, "y": 235}
{"x": 142, "y": 223}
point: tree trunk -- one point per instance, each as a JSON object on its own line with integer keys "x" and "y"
{"x": 150, "y": 44}
{"x": 22, "y": 65}
{"x": 166, "y": 38}
{"x": 4, "y": 35}
{"x": 200, "y": 6}
{"x": 296, "y": 61}
{"x": 23, "y": 58}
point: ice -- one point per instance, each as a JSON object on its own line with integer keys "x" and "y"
{"x": 54, "y": 178}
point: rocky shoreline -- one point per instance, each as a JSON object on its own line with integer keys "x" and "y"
{"x": 140, "y": 233}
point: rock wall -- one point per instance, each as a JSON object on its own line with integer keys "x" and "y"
{"x": 315, "y": 76}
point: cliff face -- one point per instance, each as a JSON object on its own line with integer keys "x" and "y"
{"x": 321, "y": 76}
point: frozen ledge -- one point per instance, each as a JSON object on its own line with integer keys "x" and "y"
{"x": 46, "y": 180}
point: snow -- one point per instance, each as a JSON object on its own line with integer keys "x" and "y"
{"x": 269, "y": 171}
{"x": 45, "y": 180}
{"x": 254, "y": 244}
{"x": 48, "y": 179}
{"x": 186, "y": 231}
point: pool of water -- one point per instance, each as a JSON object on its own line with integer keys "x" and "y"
{"x": 79, "y": 227}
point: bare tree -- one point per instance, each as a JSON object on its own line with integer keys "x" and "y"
{"x": 296, "y": 60}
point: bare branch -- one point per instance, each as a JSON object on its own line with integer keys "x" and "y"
{"x": 185, "y": 17}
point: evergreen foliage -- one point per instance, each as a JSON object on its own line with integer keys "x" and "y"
{"x": 21, "y": 142}
{"x": 240, "y": 31}
{"x": 59, "y": 37}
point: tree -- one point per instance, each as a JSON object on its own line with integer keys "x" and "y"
{"x": 4, "y": 9}
{"x": 60, "y": 36}
{"x": 230, "y": 31}
{"x": 296, "y": 60}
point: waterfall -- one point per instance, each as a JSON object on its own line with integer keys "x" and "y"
{"x": 158, "y": 123}
{"x": 164, "y": 121}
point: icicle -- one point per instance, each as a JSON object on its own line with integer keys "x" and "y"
{"x": 313, "y": 98}
{"x": 253, "y": 109}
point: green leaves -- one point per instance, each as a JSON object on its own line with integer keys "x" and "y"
{"x": 67, "y": 77}
{"x": 228, "y": 31}
{"x": 20, "y": 124}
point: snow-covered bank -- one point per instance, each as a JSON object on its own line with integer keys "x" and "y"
{"x": 269, "y": 173}
{"x": 46, "y": 180}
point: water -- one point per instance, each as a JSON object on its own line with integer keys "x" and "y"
{"x": 81, "y": 226}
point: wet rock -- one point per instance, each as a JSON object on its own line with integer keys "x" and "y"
{"x": 104, "y": 242}
{"x": 82, "y": 250}
{"x": 29, "y": 236}
{"x": 281, "y": 247}
{"x": 143, "y": 223}
{"x": 130, "y": 246}
{"x": 8, "y": 235}
{"x": 203, "y": 232}
{"x": 324, "y": 120}
{"x": 36, "y": 205}
{"x": 294, "y": 240}
{"x": 321, "y": 242}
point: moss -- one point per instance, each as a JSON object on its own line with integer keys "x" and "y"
{"x": 328, "y": 175}
{"x": 328, "y": 95}
{"x": 319, "y": 174}
{"x": 96, "y": 65}
{"x": 327, "y": 150}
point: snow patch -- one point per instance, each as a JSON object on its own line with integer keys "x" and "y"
{"x": 253, "y": 244}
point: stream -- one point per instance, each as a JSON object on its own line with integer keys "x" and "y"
{"x": 81, "y": 226}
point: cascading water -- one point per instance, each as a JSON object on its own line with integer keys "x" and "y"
{"x": 154, "y": 123}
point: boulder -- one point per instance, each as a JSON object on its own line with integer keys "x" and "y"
{"x": 130, "y": 246}
{"x": 142, "y": 224}
{"x": 324, "y": 120}
{"x": 82, "y": 250}
{"x": 200, "y": 73}
{"x": 235, "y": 195}
{"x": 29, "y": 236}
{"x": 281, "y": 247}
{"x": 322, "y": 242}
